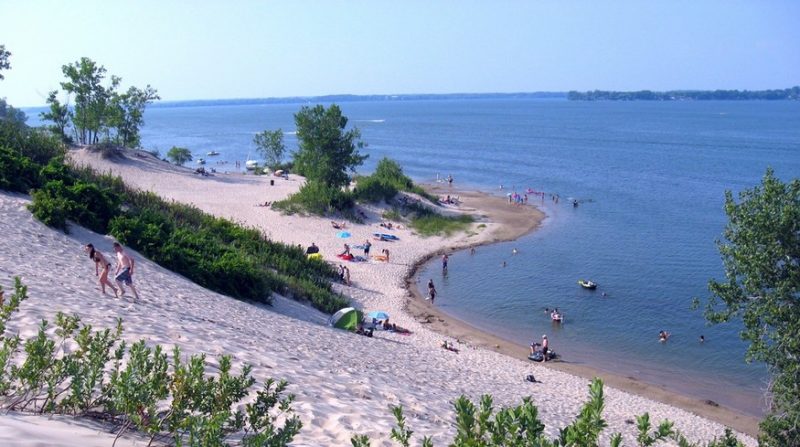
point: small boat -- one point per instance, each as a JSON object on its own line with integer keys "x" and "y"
{"x": 212, "y": 153}
{"x": 586, "y": 284}
{"x": 201, "y": 161}
{"x": 251, "y": 165}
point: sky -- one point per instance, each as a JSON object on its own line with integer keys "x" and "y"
{"x": 253, "y": 49}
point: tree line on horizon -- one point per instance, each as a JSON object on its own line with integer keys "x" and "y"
{"x": 792, "y": 93}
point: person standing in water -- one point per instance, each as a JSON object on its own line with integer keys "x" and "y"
{"x": 431, "y": 291}
{"x": 100, "y": 262}
{"x": 445, "y": 258}
{"x": 125, "y": 269}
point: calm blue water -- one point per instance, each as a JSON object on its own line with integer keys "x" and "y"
{"x": 651, "y": 177}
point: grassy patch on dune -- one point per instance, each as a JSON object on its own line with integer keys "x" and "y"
{"x": 436, "y": 224}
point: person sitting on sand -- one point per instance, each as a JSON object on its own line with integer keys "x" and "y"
{"x": 360, "y": 330}
{"x": 449, "y": 347}
{"x": 387, "y": 225}
{"x": 346, "y": 251}
{"x": 385, "y": 253}
{"x": 100, "y": 262}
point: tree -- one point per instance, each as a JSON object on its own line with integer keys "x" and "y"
{"x": 179, "y": 155}
{"x": 130, "y": 113}
{"x": 58, "y": 114}
{"x": 326, "y": 151}
{"x": 12, "y": 115}
{"x": 4, "y": 63}
{"x": 91, "y": 98}
{"x": 761, "y": 256}
{"x": 270, "y": 145}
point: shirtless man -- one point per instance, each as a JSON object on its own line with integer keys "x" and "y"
{"x": 125, "y": 269}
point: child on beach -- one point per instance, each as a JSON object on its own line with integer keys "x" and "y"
{"x": 100, "y": 262}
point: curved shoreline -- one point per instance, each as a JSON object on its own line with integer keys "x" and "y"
{"x": 449, "y": 326}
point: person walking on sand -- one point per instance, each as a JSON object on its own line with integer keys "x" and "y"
{"x": 431, "y": 291}
{"x": 125, "y": 270}
{"x": 101, "y": 262}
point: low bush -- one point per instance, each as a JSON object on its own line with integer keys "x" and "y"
{"x": 520, "y": 426}
{"x": 435, "y": 224}
{"x": 316, "y": 198}
{"x": 139, "y": 386}
{"x": 17, "y": 173}
{"x": 373, "y": 189}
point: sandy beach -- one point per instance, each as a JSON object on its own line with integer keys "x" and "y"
{"x": 344, "y": 383}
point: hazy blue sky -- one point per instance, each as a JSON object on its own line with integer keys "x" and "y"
{"x": 233, "y": 49}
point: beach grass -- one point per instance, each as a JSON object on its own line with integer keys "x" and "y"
{"x": 433, "y": 224}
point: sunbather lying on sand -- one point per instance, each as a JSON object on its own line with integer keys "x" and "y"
{"x": 339, "y": 225}
{"x": 449, "y": 347}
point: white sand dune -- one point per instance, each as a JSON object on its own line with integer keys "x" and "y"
{"x": 343, "y": 382}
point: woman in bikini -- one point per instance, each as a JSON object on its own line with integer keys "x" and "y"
{"x": 100, "y": 262}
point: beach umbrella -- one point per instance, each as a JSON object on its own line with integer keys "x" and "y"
{"x": 343, "y": 234}
{"x": 378, "y": 315}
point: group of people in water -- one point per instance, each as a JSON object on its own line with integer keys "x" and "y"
{"x": 123, "y": 275}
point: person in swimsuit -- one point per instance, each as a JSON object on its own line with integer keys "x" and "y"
{"x": 125, "y": 269}
{"x": 100, "y": 262}
{"x": 431, "y": 291}
{"x": 545, "y": 346}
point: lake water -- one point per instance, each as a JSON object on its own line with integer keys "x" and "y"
{"x": 650, "y": 178}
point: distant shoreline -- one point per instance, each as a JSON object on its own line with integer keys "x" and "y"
{"x": 788, "y": 94}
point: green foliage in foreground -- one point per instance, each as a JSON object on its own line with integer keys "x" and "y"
{"x": 481, "y": 426}
{"x": 761, "y": 255}
{"x": 210, "y": 251}
{"x": 138, "y": 386}
{"x": 171, "y": 397}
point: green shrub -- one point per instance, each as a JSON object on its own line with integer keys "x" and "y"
{"x": 480, "y": 425}
{"x": 435, "y": 224}
{"x": 316, "y": 198}
{"x": 17, "y": 173}
{"x": 138, "y": 387}
{"x": 373, "y": 189}
{"x": 52, "y": 210}
{"x": 37, "y": 145}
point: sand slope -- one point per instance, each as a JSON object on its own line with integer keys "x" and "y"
{"x": 343, "y": 382}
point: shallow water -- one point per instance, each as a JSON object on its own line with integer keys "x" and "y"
{"x": 650, "y": 178}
